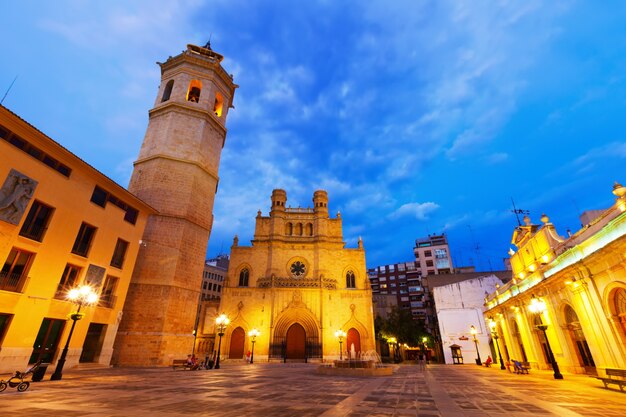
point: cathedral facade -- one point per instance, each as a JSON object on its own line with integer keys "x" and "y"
{"x": 298, "y": 286}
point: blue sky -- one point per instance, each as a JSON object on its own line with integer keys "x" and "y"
{"x": 416, "y": 116}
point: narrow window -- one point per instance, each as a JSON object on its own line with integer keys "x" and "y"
{"x": 119, "y": 253}
{"x": 107, "y": 295}
{"x": 244, "y": 277}
{"x": 168, "y": 91}
{"x": 15, "y": 270}
{"x": 350, "y": 281}
{"x": 83, "y": 239}
{"x": 219, "y": 105}
{"x": 289, "y": 229}
{"x": 36, "y": 222}
{"x": 298, "y": 229}
{"x": 68, "y": 281}
{"x": 309, "y": 229}
{"x": 193, "y": 93}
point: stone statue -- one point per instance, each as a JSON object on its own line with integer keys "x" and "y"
{"x": 15, "y": 194}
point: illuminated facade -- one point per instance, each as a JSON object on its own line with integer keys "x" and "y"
{"x": 582, "y": 281}
{"x": 297, "y": 284}
{"x": 62, "y": 224}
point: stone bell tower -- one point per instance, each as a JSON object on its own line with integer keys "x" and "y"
{"x": 177, "y": 174}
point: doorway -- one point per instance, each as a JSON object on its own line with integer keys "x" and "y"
{"x": 47, "y": 340}
{"x": 353, "y": 343}
{"x": 93, "y": 343}
{"x": 237, "y": 340}
{"x": 296, "y": 342}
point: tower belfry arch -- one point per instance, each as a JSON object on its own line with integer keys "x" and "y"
{"x": 177, "y": 174}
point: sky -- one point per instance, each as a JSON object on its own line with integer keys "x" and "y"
{"x": 418, "y": 117}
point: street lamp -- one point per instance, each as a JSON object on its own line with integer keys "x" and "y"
{"x": 473, "y": 331}
{"x": 538, "y": 306}
{"x": 253, "y": 334}
{"x": 222, "y": 321}
{"x": 340, "y": 334}
{"x": 494, "y": 335}
{"x": 83, "y": 296}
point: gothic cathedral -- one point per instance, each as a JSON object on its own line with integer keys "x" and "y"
{"x": 297, "y": 285}
{"x": 177, "y": 174}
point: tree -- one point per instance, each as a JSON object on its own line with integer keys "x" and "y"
{"x": 401, "y": 325}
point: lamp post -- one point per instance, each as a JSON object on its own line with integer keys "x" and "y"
{"x": 253, "y": 334}
{"x": 473, "y": 331}
{"x": 222, "y": 321}
{"x": 83, "y": 296}
{"x": 538, "y": 306}
{"x": 494, "y": 335}
{"x": 340, "y": 334}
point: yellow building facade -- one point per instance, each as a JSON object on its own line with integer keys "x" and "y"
{"x": 62, "y": 224}
{"x": 297, "y": 285}
{"x": 580, "y": 280}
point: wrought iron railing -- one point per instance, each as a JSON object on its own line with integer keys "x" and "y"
{"x": 12, "y": 281}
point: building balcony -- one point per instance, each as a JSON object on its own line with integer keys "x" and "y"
{"x": 289, "y": 282}
{"x": 12, "y": 282}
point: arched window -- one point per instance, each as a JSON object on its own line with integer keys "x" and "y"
{"x": 298, "y": 231}
{"x": 168, "y": 90}
{"x": 193, "y": 93}
{"x": 219, "y": 105}
{"x": 350, "y": 280}
{"x": 309, "y": 229}
{"x": 244, "y": 277}
{"x": 288, "y": 229}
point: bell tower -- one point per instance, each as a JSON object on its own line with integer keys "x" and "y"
{"x": 177, "y": 174}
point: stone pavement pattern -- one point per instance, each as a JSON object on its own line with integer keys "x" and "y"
{"x": 294, "y": 390}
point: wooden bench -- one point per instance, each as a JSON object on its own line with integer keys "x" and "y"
{"x": 614, "y": 376}
{"x": 180, "y": 364}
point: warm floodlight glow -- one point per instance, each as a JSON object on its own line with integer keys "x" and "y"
{"x": 537, "y": 305}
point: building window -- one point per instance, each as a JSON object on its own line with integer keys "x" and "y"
{"x": 119, "y": 253}
{"x": 5, "y": 319}
{"x": 350, "y": 280}
{"x": 168, "y": 90}
{"x": 83, "y": 239}
{"x": 107, "y": 295}
{"x": 429, "y": 263}
{"x": 219, "y": 105}
{"x": 441, "y": 253}
{"x": 193, "y": 94}
{"x": 244, "y": 277}
{"x": 102, "y": 197}
{"x": 68, "y": 281}
{"x": 37, "y": 221}
{"x": 428, "y": 253}
{"x": 15, "y": 270}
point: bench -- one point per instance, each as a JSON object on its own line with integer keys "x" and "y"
{"x": 522, "y": 369}
{"x": 614, "y": 376}
{"x": 181, "y": 363}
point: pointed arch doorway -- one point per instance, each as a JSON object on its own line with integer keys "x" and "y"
{"x": 237, "y": 340}
{"x": 353, "y": 343}
{"x": 296, "y": 342}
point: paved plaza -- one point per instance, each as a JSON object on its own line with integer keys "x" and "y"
{"x": 296, "y": 390}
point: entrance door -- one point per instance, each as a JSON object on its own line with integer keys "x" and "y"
{"x": 47, "y": 340}
{"x": 93, "y": 343}
{"x": 578, "y": 338}
{"x": 237, "y": 340}
{"x": 353, "y": 343}
{"x": 296, "y": 340}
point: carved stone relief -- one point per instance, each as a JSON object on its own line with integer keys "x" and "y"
{"x": 15, "y": 194}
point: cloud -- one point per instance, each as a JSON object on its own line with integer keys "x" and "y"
{"x": 418, "y": 210}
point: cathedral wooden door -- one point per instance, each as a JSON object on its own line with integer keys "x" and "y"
{"x": 354, "y": 339}
{"x": 296, "y": 340}
{"x": 237, "y": 340}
